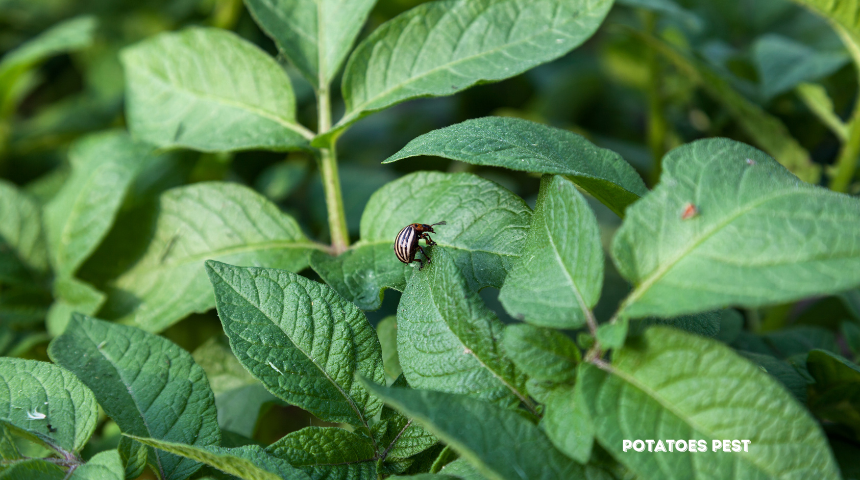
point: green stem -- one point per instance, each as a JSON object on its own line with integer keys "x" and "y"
{"x": 846, "y": 164}
{"x": 657, "y": 125}
{"x": 331, "y": 178}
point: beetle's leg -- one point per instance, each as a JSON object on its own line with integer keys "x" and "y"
{"x": 425, "y": 256}
{"x": 426, "y": 237}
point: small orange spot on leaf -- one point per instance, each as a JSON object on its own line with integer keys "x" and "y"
{"x": 690, "y": 211}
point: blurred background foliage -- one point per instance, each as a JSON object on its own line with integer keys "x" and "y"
{"x": 658, "y": 73}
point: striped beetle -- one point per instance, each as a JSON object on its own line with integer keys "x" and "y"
{"x": 406, "y": 243}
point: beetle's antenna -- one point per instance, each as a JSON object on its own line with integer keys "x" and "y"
{"x": 443, "y": 222}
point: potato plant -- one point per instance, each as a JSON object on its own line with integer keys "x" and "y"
{"x": 682, "y": 305}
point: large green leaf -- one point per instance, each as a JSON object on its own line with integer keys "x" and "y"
{"x": 443, "y": 47}
{"x": 71, "y": 295}
{"x": 449, "y": 341}
{"x": 105, "y": 465}
{"x": 760, "y": 235}
{"x": 531, "y": 147}
{"x": 557, "y": 280}
{"x": 542, "y": 353}
{"x": 328, "y": 453}
{"x": 81, "y": 213}
{"x": 783, "y": 63}
{"x": 501, "y": 443}
{"x": 23, "y": 255}
{"x": 148, "y": 385}
{"x": 33, "y": 469}
{"x": 765, "y": 130}
{"x": 180, "y": 94}
{"x": 250, "y": 462}
{"x": 301, "y": 339}
{"x": 567, "y": 423}
{"x": 35, "y": 394}
{"x": 845, "y": 13}
{"x": 315, "y": 35}
{"x": 222, "y": 221}
{"x": 485, "y": 233}
{"x": 672, "y": 385}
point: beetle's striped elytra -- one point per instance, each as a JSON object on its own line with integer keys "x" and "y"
{"x": 406, "y": 242}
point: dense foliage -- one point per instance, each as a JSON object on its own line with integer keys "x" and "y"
{"x": 654, "y": 236}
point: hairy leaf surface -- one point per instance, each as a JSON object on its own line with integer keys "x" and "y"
{"x": 531, "y": 147}
{"x": 760, "y": 236}
{"x": 207, "y": 89}
{"x": 328, "y": 453}
{"x": 301, "y": 339}
{"x": 542, "y": 353}
{"x": 485, "y": 232}
{"x": 668, "y": 384}
{"x": 148, "y": 385}
{"x": 221, "y": 221}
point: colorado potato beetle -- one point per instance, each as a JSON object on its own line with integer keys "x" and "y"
{"x": 406, "y": 242}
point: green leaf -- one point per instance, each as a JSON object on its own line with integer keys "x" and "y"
{"x": 223, "y": 369}
{"x": 706, "y": 324}
{"x": 239, "y": 409}
{"x": 301, "y": 339}
{"x": 23, "y": 255}
{"x": 669, "y": 8}
{"x": 386, "y": 331}
{"x": 818, "y": 101}
{"x": 71, "y": 295}
{"x": 672, "y": 385}
{"x": 250, "y": 462}
{"x": 33, "y": 469}
{"x": 765, "y": 130}
{"x": 783, "y": 63}
{"x": 851, "y": 333}
{"x": 449, "y": 341}
{"x": 557, "y": 280}
{"x": 181, "y": 95}
{"x": 134, "y": 456}
{"x": 757, "y": 231}
{"x": 80, "y": 215}
{"x": 315, "y": 35}
{"x": 8, "y": 448}
{"x": 567, "y": 424}
{"x": 328, "y": 452}
{"x": 531, "y": 147}
{"x": 485, "y": 233}
{"x": 785, "y": 373}
{"x": 145, "y": 383}
{"x": 612, "y": 334}
{"x": 105, "y": 465}
{"x": 501, "y": 443}
{"x": 842, "y": 13}
{"x": 222, "y": 221}
{"x": 541, "y": 353}
{"x": 34, "y": 394}
{"x": 399, "y": 436}
{"x": 835, "y": 396}
{"x": 473, "y": 41}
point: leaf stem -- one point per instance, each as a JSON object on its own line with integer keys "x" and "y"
{"x": 330, "y": 177}
{"x": 657, "y": 125}
{"x": 846, "y": 164}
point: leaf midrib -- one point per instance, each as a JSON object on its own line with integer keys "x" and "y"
{"x": 354, "y": 112}
{"x": 349, "y": 400}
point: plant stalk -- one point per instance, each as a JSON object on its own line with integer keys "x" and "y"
{"x": 331, "y": 178}
{"x": 846, "y": 164}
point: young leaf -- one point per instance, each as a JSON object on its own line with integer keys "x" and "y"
{"x": 23, "y": 255}
{"x": 440, "y": 48}
{"x": 541, "y": 353}
{"x": 783, "y": 63}
{"x": 328, "y": 452}
{"x": 250, "y": 462}
{"x": 222, "y": 221}
{"x": 531, "y": 147}
{"x": 485, "y": 231}
{"x": 301, "y": 339}
{"x": 757, "y": 231}
{"x": 386, "y": 330}
{"x": 672, "y": 385}
{"x": 501, "y": 443}
{"x": 34, "y": 394}
{"x": 105, "y": 465}
{"x": 72, "y": 295}
{"x": 557, "y": 280}
{"x": 449, "y": 341}
{"x": 567, "y": 424}
{"x": 181, "y": 95}
{"x": 765, "y": 130}
{"x": 79, "y": 216}
{"x": 148, "y": 385}
{"x": 315, "y": 35}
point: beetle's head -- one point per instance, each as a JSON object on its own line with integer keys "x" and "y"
{"x": 429, "y": 228}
